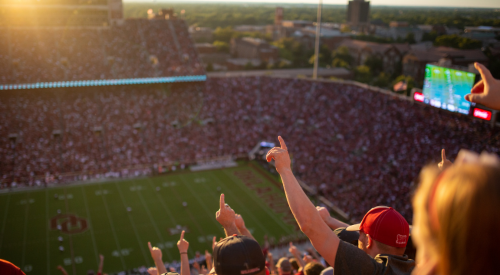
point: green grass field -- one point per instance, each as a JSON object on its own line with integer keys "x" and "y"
{"x": 29, "y": 240}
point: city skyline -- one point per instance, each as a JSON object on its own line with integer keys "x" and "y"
{"x": 422, "y": 3}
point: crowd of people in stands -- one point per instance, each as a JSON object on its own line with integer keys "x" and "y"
{"x": 138, "y": 48}
{"x": 374, "y": 142}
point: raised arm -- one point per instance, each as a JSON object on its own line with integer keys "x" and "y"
{"x": 305, "y": 213}
{"x": 296, "y": 254}
{"x": 183, "y": 246}
{"x": 157, "y": 258}
{"x": 63, "y": 271}
{"x": 329, "y": 220}
{"x": 101, "y": 263}
{"x": 226, "y": 217}
{"x": 240, "y": 224}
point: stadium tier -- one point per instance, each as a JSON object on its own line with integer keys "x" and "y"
{"x": 137, "y": 51}
{"x": 355, "y": 146}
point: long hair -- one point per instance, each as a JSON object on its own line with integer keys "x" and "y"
{"x": 457, "y": 220}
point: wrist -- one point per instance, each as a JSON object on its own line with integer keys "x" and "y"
{"x": 284, "y": 170}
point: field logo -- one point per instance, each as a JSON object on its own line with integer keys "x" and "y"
{"x": 68, "y": 223}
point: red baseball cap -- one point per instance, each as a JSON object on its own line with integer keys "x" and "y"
{"x": 384, "y": 225}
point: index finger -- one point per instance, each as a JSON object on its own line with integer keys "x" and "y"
{"x": 222, "y": 203}
{"x": 443, "y": 155}
{"x": 282, "y": 143}
{"x": 182, "y": 235}
{"x": 150, "y": 247}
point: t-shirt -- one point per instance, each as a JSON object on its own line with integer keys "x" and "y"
{"x": 352, "y": 260}
{"x": 8, "y": 268}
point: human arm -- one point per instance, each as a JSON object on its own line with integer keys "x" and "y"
{"x": 329, "y": 220}
{"x": 157, "y": 258}
{"x": 153, "y": 271}
{"x": 63, "y": 271}
{"x": 183, "y": 246}
{"x": 305, "y": 213}
{"x": 445, "y": 163}
{"x": 226, "y": 217}
{"x": 271, "y": 263}
{"x": 296, "y": 254}
{"x": 208, "y": 259}
{"x": 240, "y": 224}
{"x": 487, "y": 90}
{"x": 101, "y": 263}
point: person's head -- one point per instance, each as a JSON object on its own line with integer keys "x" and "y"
{"x": 455, "y": 224}
{"x": 294, "y": 263}
{"x": 382, "y": 231}
{"x": 238, "y": 255}
{"x": 284, "y": 266}
{"x": 313, "y": 268}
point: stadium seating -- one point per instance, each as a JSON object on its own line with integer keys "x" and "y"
{"x": 138, "y": 48}
{"x": 357, "y": 147}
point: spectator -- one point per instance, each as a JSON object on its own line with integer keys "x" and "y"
{"x": 344, "y": 258}
{"x": 487, "y": 90}
{"x": 284, "y": 267}
{"x": 183, "y": 246}
{"x": 8, "y": 268}
{"x": 313, "y": 268}
{"x": 236, "y": 255}
{"x": 455, "y": 224}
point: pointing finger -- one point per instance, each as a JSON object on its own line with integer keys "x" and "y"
{"x": 443, "y": 155}
{"x": 222, "y": 203}
{"x": 182, "y": 235}
{"x": 282, "y": 143}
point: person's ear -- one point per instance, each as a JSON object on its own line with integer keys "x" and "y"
{"x": 369, "y": 241}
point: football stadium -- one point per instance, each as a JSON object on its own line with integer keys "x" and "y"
{"x": 113, "y": 135}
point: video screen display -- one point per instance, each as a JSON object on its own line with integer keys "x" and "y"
{"x": 446, "y": 88}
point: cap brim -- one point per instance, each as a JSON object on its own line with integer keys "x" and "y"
{"x": 354, "y": 227}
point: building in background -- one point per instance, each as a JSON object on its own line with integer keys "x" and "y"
{"x": 415, "y": 61}
{"x": 201, "y": 34}
{"x": 253, "y": 48}
{"x": 358, "y": 15}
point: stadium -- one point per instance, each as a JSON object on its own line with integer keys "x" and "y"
{"x": 112, "y": 135}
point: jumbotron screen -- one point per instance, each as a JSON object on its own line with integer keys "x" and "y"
{"x": 446, "y": 88}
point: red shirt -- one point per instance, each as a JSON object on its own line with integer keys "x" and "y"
{"x": 8, "y": 268}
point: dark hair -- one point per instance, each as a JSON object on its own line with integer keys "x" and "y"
{"x": 313, "y": 268}
{"x": 294, "y": 263}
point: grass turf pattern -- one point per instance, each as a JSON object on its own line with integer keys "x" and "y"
{"x": 27, "y": 239}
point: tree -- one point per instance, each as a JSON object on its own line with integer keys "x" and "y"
{"x": 210, "y": 67}
{"x": 383, "y": 80}
{"x": 375, "y": 64}
{"x": 342, "y": 58}
{"x": 249, "y": 66}
{"x": 410, "y": 83}
{"x": 224, "y": 34}
{"x": 292, "y": 50}
{"x": 410, "y": 38}
{"x": 430, "y": 36}
{"x": 458, "y": 42}
{"x": 222, "y": 47}
{"x": 362, "y": 74}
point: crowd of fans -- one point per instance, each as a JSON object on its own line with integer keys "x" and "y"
{"x": 373, "y": 143}
{"x": 138, "y": 48}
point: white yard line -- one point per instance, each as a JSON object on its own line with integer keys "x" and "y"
{"x": 172, "y": 218}
{"x": 141, "y": 243}
{"x": 257, "y": 202}
{"x": 47, "y": 230}
{"x": 25, "y": 228}
{"x": 152, "y": 221}
{"x": 113, "y": 229}
{"x": 4, "y": 221}
{"x": 90, "y": 227}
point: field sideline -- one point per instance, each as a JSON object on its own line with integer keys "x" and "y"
{"x": 29, "y": 234}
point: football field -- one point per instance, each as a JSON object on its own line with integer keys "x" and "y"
{"x": 92, "y": 218}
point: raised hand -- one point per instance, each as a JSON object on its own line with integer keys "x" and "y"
{"x": 487, "y": 90}
{"x": 445, "y": 163}
{"x": 208, "y": 259}
{"x": 238, "y": 220}
{"x": 153, "y": 271}
{"x": 293, "y": 249}
{"x": 280, "y": 156}
{"x": 214, "y": 242}
{"x": 225, "y": 215}
{"x": 323, "y": 212}
{"x": 196, "y": 265}
{"x": 204, "y": 270}
{"x": 182, "y": 244}
{"x": 155, "y": 252}
{"x": 307, "y": 259}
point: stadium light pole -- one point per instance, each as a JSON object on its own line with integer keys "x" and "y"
{"x": 316, "y": 46}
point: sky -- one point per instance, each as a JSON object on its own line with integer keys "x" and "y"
{"x": 425, "y": 3}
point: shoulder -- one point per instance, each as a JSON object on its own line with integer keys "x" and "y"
{"x": 352, "y": 260}
{"x": 7, "y": 267}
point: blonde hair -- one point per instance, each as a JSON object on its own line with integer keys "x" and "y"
{"x": 456, "y": 220}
